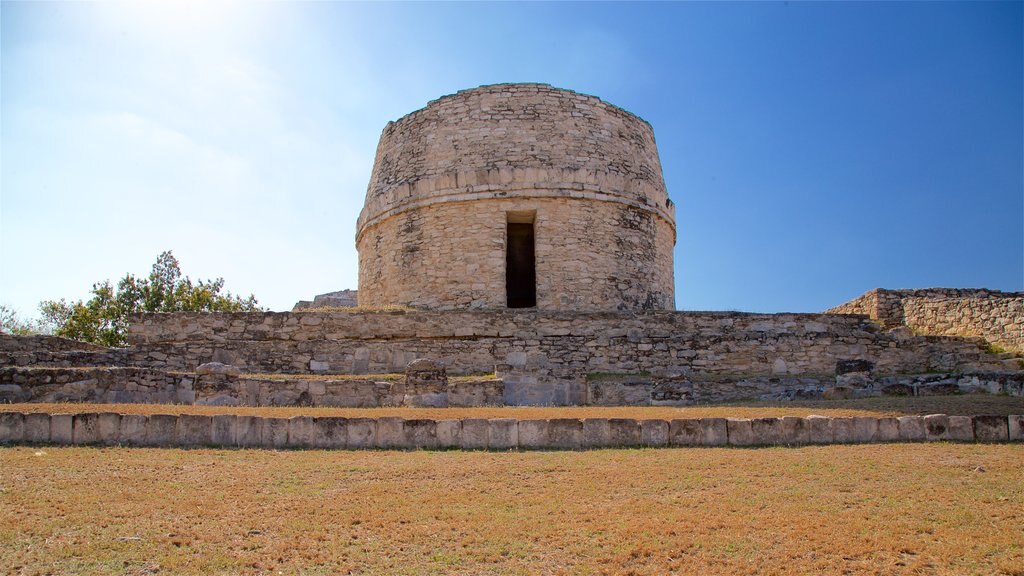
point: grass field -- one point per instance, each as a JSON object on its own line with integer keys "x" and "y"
{"x": 968, "y": 405}
{"x": 862, "y": 509}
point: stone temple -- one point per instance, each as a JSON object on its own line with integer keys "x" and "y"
{"x": 517, "y": 196}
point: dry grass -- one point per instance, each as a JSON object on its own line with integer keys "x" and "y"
{"x": 893, "y": 406}
{"x": 869, "y": 509}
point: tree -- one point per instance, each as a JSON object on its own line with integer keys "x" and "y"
{"x": 103, "y": 319}
{"x": 11, "y": 323}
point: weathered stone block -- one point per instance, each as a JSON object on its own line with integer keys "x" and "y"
{"x": 132, "y": 430}
{"x": 936, "y": 427}
{"x": 391, "y": 434}
{"x": 300, "y": 432}
{"x": 330, "y": 432}
{"x": 686, "y": 432}
{"x": 865, "y": 428}
{"x": 61, "y": 428}
{"x": 888, "y": 430}
{"x": 740, "y": 432}
{"x": 449, "y": 433}
{"x": 766, "y": 431}
{"x": 654, "y": 433}
{"x": 1015, "y": 427}
{"x": 86, "y": 428}
{"x": 961, "y": 429}
{"x": 249, "y": 431}
{"x": 421, "y": 434}
{"x": 820, "y": 430}
{"x": 362, "y": 433}
{"x": 596, "y": 433}
{"x": 160, "y": 429}
{"x": 624, "y": 432}
{"x": 565, "y": 434}
{"x": 533, "y": 434}
{"x": 502, "y": 434}
{"x": 715, "y": 431}
{"x": 912, "y": 428}
{"x": 109, "y": 428}
{"x": 37, "y": 427}
{"x": 843, "y": 430}
{"x": 474, "y": 433}
{"x": 224, "y": 430}
{"x": 795, "y": 430}
{"x": 274, "y": 432}
{"x": 193, "y": 430}
{"x": 12, "y": 427}
{"x": 991, "y": 428}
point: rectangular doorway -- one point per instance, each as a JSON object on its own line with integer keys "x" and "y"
{"x": 520, "y": 267}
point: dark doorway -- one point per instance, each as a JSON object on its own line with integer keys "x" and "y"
{"x": 520, "y": 272}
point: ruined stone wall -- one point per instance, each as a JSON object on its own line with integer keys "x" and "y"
{"x": 547, "y": 357}
{"x": 432, "y": 233}
{"x": 996, "y": 316}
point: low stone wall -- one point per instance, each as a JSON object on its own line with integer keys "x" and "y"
{"x": 105, "y": 385}
{"x": 231, "y": 431}
{"x": 996, "y": 316}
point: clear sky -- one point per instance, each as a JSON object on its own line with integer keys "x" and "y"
{"x": 814, "y": 150}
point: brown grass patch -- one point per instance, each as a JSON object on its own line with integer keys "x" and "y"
{"x": 869, "y": 509}
{"x": 967, "y": 405}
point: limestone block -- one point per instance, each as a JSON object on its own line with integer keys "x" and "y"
{"x": 449, "y": 433}
{"x": 160, "y": 429}
{"x": 715, "y": 431}
{"x": 936, "y": 427}
{"x": 37, "y": 428}
{"x": 224, "y": 430}
{"x": 274, "y": 432}
{"x": 533, "y": 434}
{"x": 330, "y": 432}
{"x": 362, "y": 433}
{"x": 795, "y": 430}
{"x": 12, "y": 427}
{"x": 989, "y": 428}
{"x": 61, "y": 428}
{"x": 87, "y": 428}
{"x": 654, "y": 433}
{"x": 421, "y": 434}
{"x": 1015, "y": 427}
{"x": 865, "y": 428}
{"x": 911, "y": 428}
{"x": 502, "y": 434}
{"x": 193, "y": 430}
{"x": 740, "y": 432}
{"x": 843, "y": 430}
{"x": 888, "y": 430}
{"x": 565, "y": 433}
{"x": 474, "y": 433}
{"x": 961, "y": 429}
{"x": 596, "y": 433}
{"x": 132, "y": 430}
{"x": 685, "y": 432}
{"x": 624, "y": 432}
{"x": 820, "y": 430}
{"x": 766, "y": 431}
{"x": 248, "y": 431}
{"x": 300, "y": 432}
{"x": 109, "y": 428}
{"x": 391, "y": 433}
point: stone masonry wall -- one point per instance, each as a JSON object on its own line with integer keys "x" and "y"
{"x": 996, "y": 316}
{"x": 547, "y": 357}
{"x": 432, "y": 231}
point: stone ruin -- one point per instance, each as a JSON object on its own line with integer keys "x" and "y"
{"x": 515, "y": 248}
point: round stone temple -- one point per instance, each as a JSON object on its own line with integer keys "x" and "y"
{"x": 517, "y": 196}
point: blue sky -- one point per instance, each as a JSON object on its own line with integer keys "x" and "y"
{"x": 814, "y": 150}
